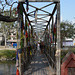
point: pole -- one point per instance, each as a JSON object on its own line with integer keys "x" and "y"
{"x": 20, "y": 17}
{"x": 58, "y": 51}
{"x": 49, "y": 40}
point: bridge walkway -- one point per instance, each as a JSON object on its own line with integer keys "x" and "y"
{"x": 39, "y": 65}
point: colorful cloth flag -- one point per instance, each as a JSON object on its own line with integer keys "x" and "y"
{"x": 54, "y": 28}
{"x": 17, "y": 55}
{"x": 35, "y": 15}
{"x": 53, "y": 35}
{"x": 17, "y": 72}
{"x": 55, "y": 25}
{"x": 17, "y": 63}
{"x": 26, "y": 34}
{"x": 26, "y": 26}
{"x": 17, "y": 59}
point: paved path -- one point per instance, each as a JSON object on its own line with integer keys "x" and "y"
{"x": 38, "y": 66}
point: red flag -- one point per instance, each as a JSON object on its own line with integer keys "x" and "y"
{"x": 17, "y": 72}
{"x": 55, "y": 25}
{"x": 28, "y": 24}
{"x": 26, "y": 34}
{"x": 54, "y": 29}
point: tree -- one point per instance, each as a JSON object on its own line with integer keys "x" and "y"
{"x": 3, "y": 5}
{"x": 67, "y": 30}
{"x": 7, "y": 17}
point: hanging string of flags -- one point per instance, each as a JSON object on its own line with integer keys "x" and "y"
{"x": 54, "y": 28}
{"x": 19, "y": 7}
{"x": 17, "y": 60}
{"x": 24, "y": 32}
{"x": 35, "y": 15}
{"x": 55, "y": 25}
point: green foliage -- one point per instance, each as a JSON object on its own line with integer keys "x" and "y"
{"x": 64, "y": 52}
{"x": 7, "y": 53}
{"x": 67, "y": 30}
{"x": 8, "y": 62}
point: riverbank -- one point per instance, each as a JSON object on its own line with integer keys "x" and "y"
{"x": 6, "y": 48}
{"x": 7, "y": 55}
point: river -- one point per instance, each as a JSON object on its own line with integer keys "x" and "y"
{"x": 7, "y": 68}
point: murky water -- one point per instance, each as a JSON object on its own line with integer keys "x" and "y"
{"x": 7, "y": 68}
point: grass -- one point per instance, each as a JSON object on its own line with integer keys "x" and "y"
{"x": 7, "y": 62}
{"x": 7, "y": 53}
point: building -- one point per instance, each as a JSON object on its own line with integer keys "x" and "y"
{"x": 74, "y": 41}
{"x": 12, "y": 41}
{"x": 69, "y": 42}
{"x": 2, "y": 39}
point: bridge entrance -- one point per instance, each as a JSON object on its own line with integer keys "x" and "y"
{"x": 38, "y": 23}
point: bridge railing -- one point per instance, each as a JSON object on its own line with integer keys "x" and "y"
{"x": 50, "y": 54}
{"x": 27, "y": 54}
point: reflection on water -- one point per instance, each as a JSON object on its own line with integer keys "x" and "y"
{"x": 7, "y": 68}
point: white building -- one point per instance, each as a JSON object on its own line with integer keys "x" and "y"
{"x": 69, "y": 42}
{"x": 13, "y": 37}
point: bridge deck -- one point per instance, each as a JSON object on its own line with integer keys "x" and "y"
{"x": 38, "y": 66}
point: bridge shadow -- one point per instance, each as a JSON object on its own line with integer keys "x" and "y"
{"x": 38, "y": 65}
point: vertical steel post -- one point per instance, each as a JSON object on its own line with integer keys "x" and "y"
{"x": 58, "y": 51}
{"x": 20, "y": 16}
{"x": 49, "y": 40}
{"x": 52, "y": 40}
{"x": 52, "y": 27}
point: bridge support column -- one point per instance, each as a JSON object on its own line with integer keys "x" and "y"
{"x": 58, "y": 51}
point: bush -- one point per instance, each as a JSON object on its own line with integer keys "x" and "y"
{"x": 7, "y": 53}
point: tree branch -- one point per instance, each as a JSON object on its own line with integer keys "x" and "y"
{"x": 7, "y": 18}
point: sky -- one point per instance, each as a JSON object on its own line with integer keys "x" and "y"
{"x": 67, "y": 10}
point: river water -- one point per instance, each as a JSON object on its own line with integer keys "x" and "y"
{"x": 7, "y": 68}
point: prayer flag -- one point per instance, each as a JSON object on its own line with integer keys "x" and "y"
{"x": 26, "y": 34}
{"x": 17, "y": 55}
{"x": 55, "y": 25}
{"x": 26, "y": 26}
{"x": 35, "y": 15}
{"x": 17, "y": 72}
